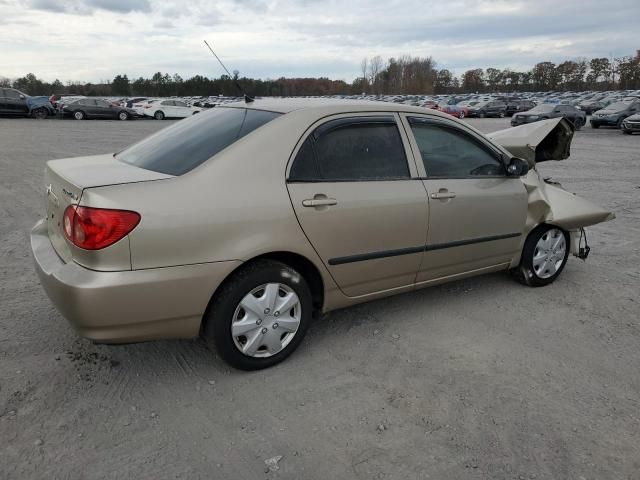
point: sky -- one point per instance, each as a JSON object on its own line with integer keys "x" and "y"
{"x": 94, "y": 40}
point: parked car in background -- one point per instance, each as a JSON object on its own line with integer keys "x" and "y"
{"x": 631, "y": 124}
{"x": 129, "y": 103}
{"x": 90, "y": 108}
{"x": 161, "y": 109}
{"x": 545, "y": 111}
{"x": 453, "y": 110}
{"x": 492, "y": 108}
{"x": 515, "y": 106}
{"x": 614, "y": 114}
{"x": 162, "y": 239}
{"x": 590, "y": 106}
{"x": 15, "y": 103}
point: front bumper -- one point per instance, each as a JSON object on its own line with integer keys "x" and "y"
{"x": 631, "y": 126}
{"x": 127, "y": 306}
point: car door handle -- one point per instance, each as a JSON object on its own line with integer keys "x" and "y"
{"x": 443, "y": 195}
{"x": 319, "y": 202}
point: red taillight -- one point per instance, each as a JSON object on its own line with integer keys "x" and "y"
{"x": 96, "y": 228}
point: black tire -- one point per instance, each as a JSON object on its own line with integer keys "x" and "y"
{"x": 79, "y": 115}
{"x": 482, "y": 115}
{"x": 578, "y": 124}
{"x": 525, "y": 273}
{"x": 595, "y": 125}
{"x": 218, "y": 319}
{"x": 122, "y": 115}
{"x": 628, "y": 132}
{"x": 619, "y": 123}
{"x": 159, "y": 115}
{"x": 40, "y": 113}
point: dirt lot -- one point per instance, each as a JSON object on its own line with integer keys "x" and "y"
{"x": 482, "y": 378}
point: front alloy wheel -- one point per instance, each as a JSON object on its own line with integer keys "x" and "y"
{"x": 259, "y": 316}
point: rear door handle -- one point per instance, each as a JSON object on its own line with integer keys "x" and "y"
{"x": 319, "y": 202}
{"x": 443, "y": 194}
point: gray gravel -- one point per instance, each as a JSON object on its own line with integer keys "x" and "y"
{"x": 481, "y": 378}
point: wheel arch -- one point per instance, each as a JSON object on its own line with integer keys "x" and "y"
{"x": 298, "y": 262}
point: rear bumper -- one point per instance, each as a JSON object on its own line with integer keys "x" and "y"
{"x": 127, "y": 306}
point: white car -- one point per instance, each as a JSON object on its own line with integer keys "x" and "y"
{"x": 161, "y": 109}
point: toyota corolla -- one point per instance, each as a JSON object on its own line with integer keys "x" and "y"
{"x": 244, "y": 222}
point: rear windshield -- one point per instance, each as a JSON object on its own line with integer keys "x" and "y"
{"x": 190, "y": 142}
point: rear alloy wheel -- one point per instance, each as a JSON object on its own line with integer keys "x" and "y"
{"x": 123, "y": 116}
{"x": 259, "y": 316}
{"x": 40, "y": 113}
{"x": 501, "y": 115}
{"x": 619, "y": 123}
{"x": 461, "y": 114}
{"x": 544, "y": 256}
{"x": 158, "y": 115}
{"x": 78, "y": 115}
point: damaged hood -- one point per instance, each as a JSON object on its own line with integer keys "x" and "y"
{"x": 538, "y": 141}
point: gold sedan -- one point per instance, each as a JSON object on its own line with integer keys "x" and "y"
{"x": 242, "y": 223}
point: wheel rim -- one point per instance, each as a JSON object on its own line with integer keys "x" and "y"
{"x": 461, "y": 115}
{"x": 549, "y": 253}
{"x": 266, "y": 320}
{"x": 78, "y": 115}
{"x": 123, "y": 116}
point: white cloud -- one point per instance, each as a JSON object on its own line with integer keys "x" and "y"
{"x": 93, "y": 40}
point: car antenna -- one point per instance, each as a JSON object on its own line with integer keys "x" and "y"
{"x": 247, "y": 98}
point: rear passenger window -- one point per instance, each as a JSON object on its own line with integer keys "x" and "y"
{"x": 352, "y": 150}
{"x": 449, "y": 153}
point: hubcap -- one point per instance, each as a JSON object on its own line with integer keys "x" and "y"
{"x": 549, "y": 253}
{"x": 266, "y": 320}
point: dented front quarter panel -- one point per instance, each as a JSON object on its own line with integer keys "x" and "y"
{"x": 548, "y": 202}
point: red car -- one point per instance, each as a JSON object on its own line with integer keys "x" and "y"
{"x": 454, "y": 110}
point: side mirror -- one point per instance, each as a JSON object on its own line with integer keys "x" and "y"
{"x": 517, "y": 167}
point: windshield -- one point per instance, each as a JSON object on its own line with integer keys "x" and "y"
{"x": 190, "y": 142}
{"x": 544, "y": 108}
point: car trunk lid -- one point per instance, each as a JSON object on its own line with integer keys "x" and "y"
{"x": 66, "y": 180}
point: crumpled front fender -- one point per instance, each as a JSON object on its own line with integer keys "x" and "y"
{"x": 550, "y": 203}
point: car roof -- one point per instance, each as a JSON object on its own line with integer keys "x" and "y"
{"x": 329, "y": 106}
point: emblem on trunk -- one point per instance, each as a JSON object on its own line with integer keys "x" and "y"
{"x": 71, "y": 195}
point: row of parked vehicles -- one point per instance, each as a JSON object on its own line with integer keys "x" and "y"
{"x": 621, "y": 109}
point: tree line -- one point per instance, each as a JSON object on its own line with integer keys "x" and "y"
{"x": 402, "y": 75}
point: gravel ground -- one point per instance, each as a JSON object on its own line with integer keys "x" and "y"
{"x": 481, "y": 378}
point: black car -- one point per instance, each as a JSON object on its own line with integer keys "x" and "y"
{"x": 131, "y": 101}
{"x": 590, "y": 106}
{"x": 550, "y": 110}
{"x": 15, "y": 103}
{"x": 97, "y": 108}
{"x": 515, "y": 106}
{"x": 493, "y": 108}
{"x": 631, "y": 124}
{"x": 613, "y": 115}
